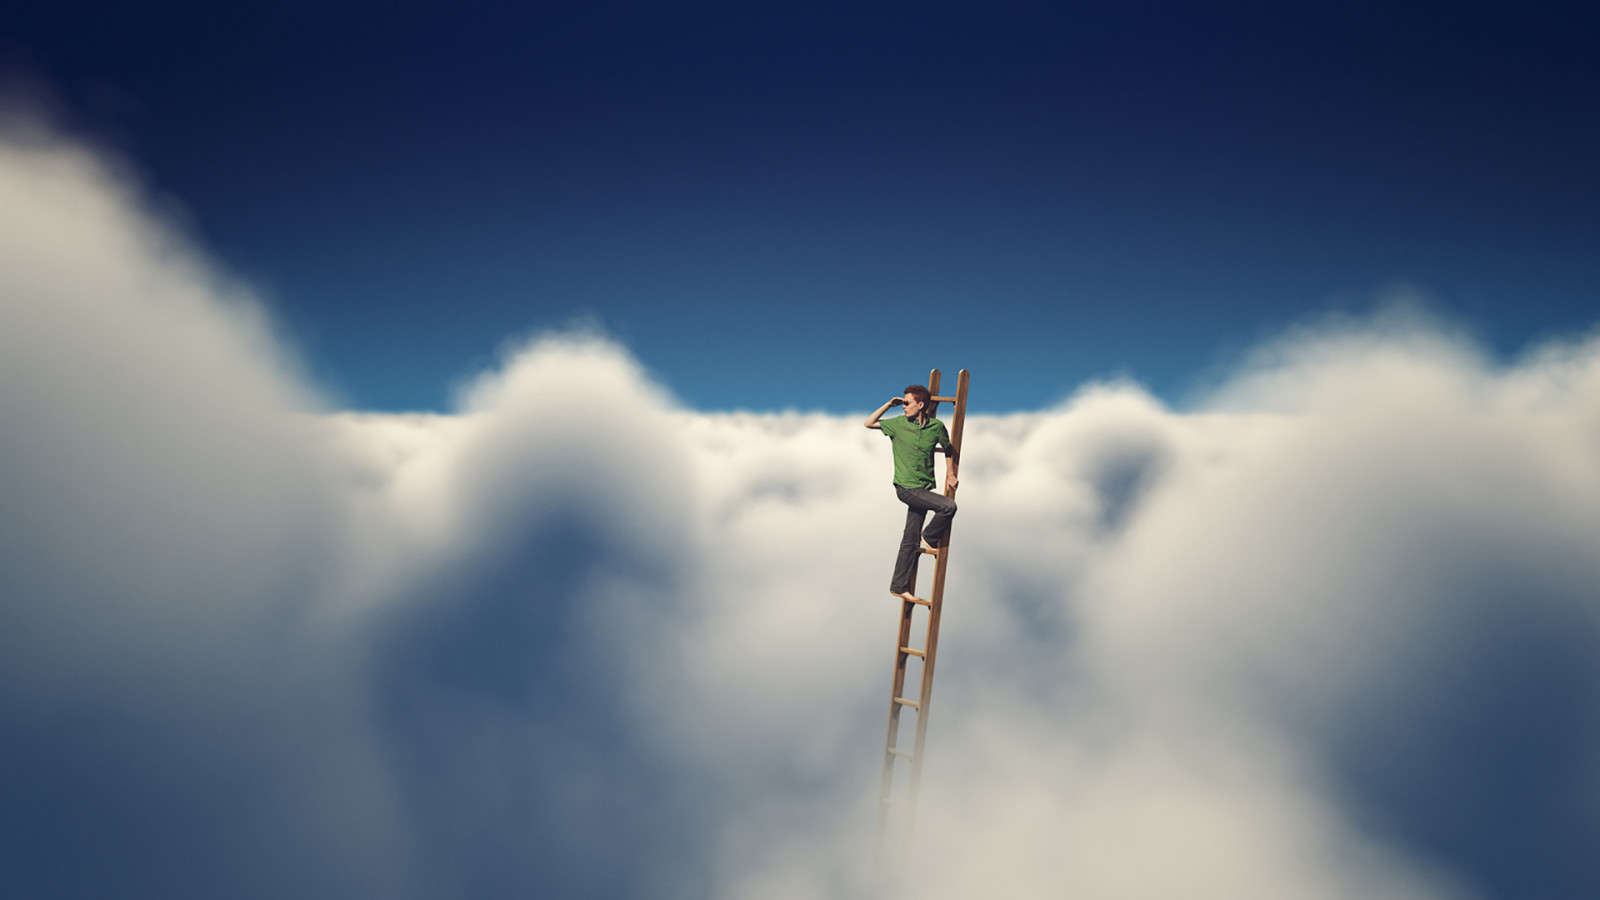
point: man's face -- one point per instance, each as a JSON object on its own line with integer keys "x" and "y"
{"x": 913, "y": 408}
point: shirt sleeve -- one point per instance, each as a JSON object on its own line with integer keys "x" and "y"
{"x": 890, "y": 426}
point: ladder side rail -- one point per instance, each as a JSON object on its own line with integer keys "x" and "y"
{"x": 931, "y": 644}
{"x": 929, "y": 647}
{"x": 959, "y": 420}
{"x": 897, "y": 687}
{"x": 902, "y": 639}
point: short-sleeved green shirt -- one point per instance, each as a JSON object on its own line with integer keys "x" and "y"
{"x": 913, "y": 450}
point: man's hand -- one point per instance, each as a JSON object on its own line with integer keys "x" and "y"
{"x": 872, "y": 420}
{"x": 950, "y": 482}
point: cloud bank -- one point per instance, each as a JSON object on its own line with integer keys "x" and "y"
{"x": 1331, "y": 634}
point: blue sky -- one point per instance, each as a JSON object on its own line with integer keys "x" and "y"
{"x": 804, "y": 205}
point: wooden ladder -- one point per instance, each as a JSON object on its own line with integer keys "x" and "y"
{"x": 903, "y": 652}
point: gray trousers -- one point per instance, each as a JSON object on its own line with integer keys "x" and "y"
{"x": 918, "y": 505}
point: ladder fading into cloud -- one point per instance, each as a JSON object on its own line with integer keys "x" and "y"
{"x": 904, "y": 652}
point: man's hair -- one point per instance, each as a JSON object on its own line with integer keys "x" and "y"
{"x": 919, "y": 392}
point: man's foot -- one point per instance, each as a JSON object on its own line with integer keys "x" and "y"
{"x": 909, "y": 597}
{"x": 929, "y": 547}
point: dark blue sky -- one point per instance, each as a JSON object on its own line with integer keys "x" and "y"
{"x": 810, "y": 205}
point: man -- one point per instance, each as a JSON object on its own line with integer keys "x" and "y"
{"x": 913, "y": 439}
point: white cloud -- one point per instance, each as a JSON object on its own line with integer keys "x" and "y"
{"x": 1326, "y": 636}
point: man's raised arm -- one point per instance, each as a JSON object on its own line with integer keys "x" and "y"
{"x": 952, "y": 461}
{"x": 872, "y": 420}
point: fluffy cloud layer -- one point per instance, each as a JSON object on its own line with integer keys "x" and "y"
{"x": 1330, "y": 635}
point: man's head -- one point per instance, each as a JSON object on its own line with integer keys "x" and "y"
{"x": 916, "y": 400}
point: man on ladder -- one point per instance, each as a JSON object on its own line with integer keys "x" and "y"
{"x": 913, "y": 439}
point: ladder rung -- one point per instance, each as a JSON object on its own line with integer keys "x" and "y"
{"x": 913, "y": 652}
{"x": 896, "y": 751}
{"x": 917, "y": 600}
{"x": 904, "y": 702}
{"x": 943, "y": 399}
{"x": 930, "y": 552}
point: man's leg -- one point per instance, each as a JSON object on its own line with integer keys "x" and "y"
{"x": 905, "y": 565}
{"x": 942, "y": 507}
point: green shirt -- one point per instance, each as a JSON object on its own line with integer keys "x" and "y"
{"x": 913, "y": 450}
